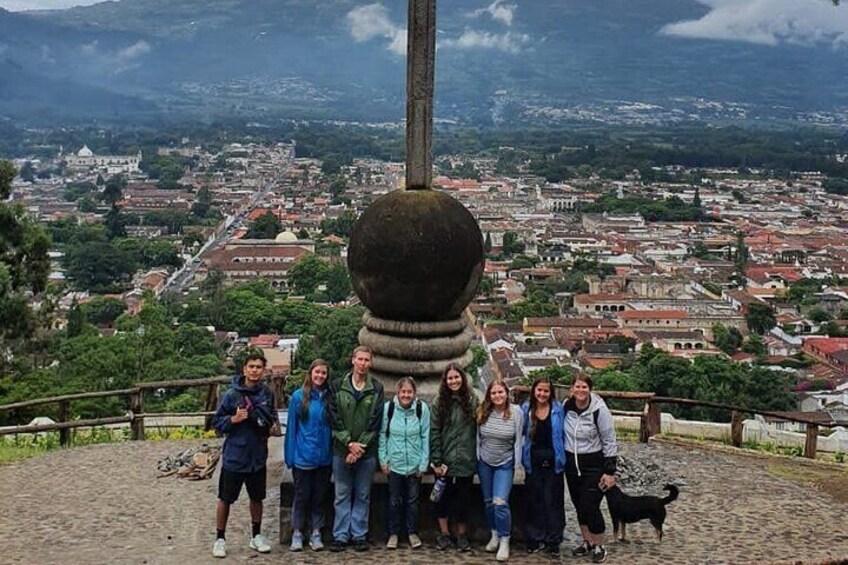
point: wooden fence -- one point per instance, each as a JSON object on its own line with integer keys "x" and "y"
{"x": 650, "y": 417}
{"x": 136, "y": 414}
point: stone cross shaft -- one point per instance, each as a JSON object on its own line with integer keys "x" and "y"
{"x": 420, "y": 66}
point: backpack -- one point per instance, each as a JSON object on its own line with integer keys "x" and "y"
{"x": 391, "y": 413}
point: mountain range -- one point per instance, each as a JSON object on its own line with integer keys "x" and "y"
{"x": 505, "y": 62}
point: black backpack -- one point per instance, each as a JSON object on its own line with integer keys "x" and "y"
{"x": 391, "y": 413}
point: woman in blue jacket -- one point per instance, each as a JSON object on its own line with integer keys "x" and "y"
{"x": 543, "y": 458}
{"x": 308, "y": 453}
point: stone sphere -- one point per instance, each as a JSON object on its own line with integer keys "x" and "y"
{"x": 416, "y": 255}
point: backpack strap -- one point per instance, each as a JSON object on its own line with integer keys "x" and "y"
{"x": 389, "y": 415}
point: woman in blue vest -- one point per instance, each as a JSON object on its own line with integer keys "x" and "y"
{"x": 543, "y": 459}
{"x": 308, "y": 453}
{"x": 404, "y": 454}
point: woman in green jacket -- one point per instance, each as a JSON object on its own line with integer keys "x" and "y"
{"x": 453, "y": 453}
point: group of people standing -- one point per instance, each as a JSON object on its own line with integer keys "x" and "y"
{"x": 345, "y": 429}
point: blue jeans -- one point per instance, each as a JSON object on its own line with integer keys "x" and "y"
{"x": 403, "y": 499}
{"x": 496, "y": 484}
{"x": 353, "y": 498}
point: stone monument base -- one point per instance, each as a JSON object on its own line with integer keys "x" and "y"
{"x": 421, "y": 350}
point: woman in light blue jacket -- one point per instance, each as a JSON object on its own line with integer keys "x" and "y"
{"x": 543, "y": 459}
{"x": 308, "y": 453}
{"x": 404, "y": 453}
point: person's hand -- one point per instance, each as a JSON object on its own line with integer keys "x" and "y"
{"x": 350, "y": 459}
{"x": 357, "y": 449}
{"x": 607, "y": 482}
{"x": 440, "y": 471}
{"x": 385, "y": 469}
{"x": 239, "y": 416}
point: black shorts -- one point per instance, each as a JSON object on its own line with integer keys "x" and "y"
{"x": 229, "y": 485}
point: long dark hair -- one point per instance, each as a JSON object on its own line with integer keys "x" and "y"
{"x": 447, "y": 397}
{"x": 535, "y": 403}
{"x": 307, "y": 387}
{"x": 485, "y": 409}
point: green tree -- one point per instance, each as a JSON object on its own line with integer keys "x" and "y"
{"x": 103, "y": 310}
{"x": 755, "y": 346}
{"x": 266, "y": 226}
{"x": 99, "y": 266}
{"x": 760, "y": 318}
{"x": 203, "y": 203}
{"x": 818, "y": 315}
{"x": 511, "y": 244}
{"x": 338, "y": 283}
{"x": 27, "y": 172}
{"x": 115, "y": 222}
{"x": 114, "y": 190}
{"x": 24, "y": 266}
{"x": 727, "y": 338}
{"x": 306, "y": 274}
{"x": 332, "y": 338}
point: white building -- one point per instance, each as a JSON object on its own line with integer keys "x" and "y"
{"x": 86, "y": 160}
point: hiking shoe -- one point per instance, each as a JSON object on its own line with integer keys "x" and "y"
{"x": 414, "y": 541}
{"x": 552, "y": 550}
{"x": 297, "y": 542}
{"x": 337, "y": 546}
{"x": 535, "y": 546}
{"x": 462, "y": 544}
{"x": 260, "y": 544}
{"x": 392, "y": 543}
{"x": 581, "y": 550}
{"x": 220, "y": 548}
{"x": 599, "y": 554}
{"x": 315, "y": 542}
{"x": 360, "y": 545}
{"x": 443, "y": 541}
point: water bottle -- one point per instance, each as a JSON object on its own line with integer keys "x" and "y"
{"x": 438, "y": 490}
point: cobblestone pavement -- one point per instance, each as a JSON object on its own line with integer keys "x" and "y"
{"x": 104, "y": 504}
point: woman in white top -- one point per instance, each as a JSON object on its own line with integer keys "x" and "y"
{"x": 499, "y": 433}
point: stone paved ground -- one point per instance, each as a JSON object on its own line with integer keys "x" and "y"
{"x": 104, "y": 504}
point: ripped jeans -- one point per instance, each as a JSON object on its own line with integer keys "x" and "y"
{"x": 496, "y": 484}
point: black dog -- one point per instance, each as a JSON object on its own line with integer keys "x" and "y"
{"x": 625, "y": 509}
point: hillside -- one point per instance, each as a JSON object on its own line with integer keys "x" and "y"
{"x": 498, "y": 62}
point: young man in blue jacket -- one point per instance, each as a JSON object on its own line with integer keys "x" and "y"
{"x": 244, "y": 416}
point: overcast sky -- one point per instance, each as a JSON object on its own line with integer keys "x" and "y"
{"x": 21, "y": 5}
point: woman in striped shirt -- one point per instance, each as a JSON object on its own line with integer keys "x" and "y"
{"x": 499, "y": 433}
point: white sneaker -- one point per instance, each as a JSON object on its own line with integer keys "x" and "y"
{"x": 260, "y": 544}
{"x": 493, "y": 544}
{"x": 415, "y": 541}
{"x": 503, "y": 549}
{"x": 220, "y": 548}
{"x": 392, "y": 543}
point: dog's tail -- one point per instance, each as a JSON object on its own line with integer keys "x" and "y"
{"x": 673, "y": 491}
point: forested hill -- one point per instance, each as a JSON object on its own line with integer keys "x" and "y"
{"x": 499, "y": 62}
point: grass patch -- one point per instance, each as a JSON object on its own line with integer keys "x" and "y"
{"x": 24, "y": 446}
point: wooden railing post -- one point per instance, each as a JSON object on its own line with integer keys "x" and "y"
{"x": 210, "y": 406}
{"x": 812, "y": 439}
{"x": 137, "y": 408}
{"x": 736, "y": 428}
{"x": 64, "y": 414}
{"x": 653, "y": 420}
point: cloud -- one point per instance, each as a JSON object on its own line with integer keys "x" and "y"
{"x": 472, "y": 39}
{"x": 767, "y": 22}
{"x": 498, "y": 10}
{"x": 372, "y": 21}
{"x": 137, "y": 49}
{"x": 23, "y": 5}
